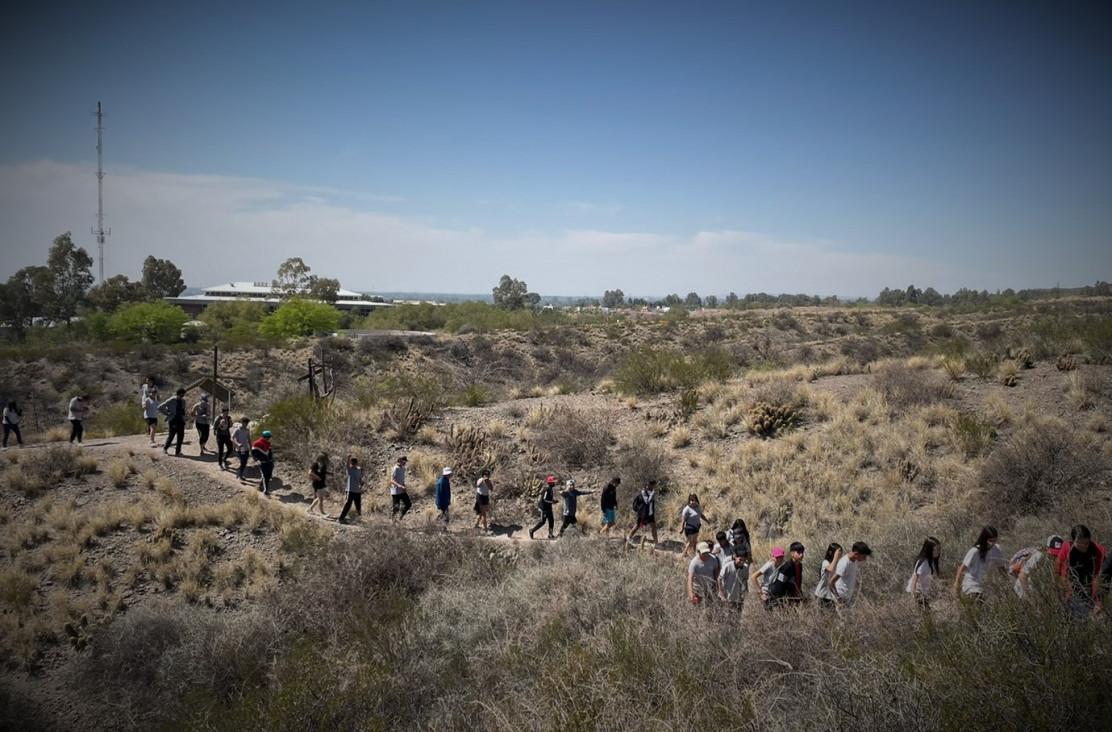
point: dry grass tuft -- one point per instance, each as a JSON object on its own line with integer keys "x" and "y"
{"x": 118, "y": 472}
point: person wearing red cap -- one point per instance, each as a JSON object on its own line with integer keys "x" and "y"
{"x": 545, "y": 504}
{"x": 1025, "y": 560}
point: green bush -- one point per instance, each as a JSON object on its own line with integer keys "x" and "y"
{"x": 649, "y": 370}
{"x": 150, "y": 322}
{"x": 975, "y": 435}
{"x": 299, "y": 317}
{"x": 121, "y": 418}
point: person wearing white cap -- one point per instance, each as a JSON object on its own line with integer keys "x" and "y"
{"x": 444, "y": 494}
{"x": 483, "y": 488}
{"x": 702, "y": 575}
{"x": 200, "y": 414}
{"x": 571, "y": 495}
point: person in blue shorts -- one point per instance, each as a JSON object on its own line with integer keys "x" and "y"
{"x": 608, "y": 502}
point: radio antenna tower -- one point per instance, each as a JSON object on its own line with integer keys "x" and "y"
{"x": 99, "y": 232}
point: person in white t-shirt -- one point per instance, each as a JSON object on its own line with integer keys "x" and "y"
{"x": 733, "y": 577}
{"x": 829, "y": 564}
{"x": 984, "y": 555}
{"x": 925, "y": 572}
{"x": 843, "y": 583}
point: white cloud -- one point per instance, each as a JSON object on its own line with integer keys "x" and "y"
{"x": 218, "y": 228}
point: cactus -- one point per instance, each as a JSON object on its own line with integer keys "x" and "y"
{"x": 1022, "y": 356}
{"x": 769, "y": 420}
{"x": 1067, "y": 362}
{"x": 78, "y": 633}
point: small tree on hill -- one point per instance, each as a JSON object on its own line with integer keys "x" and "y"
{"x": 300, "y": 317}
{"x": 150, "y": 322}
{"x": 613, "y": 299}
{"x": 511, "y": 294}
{"x": 293, "y": 278}
{"x": 161, "y": 278}
{"x": 114, "y": 292}
{"x": 68, "y": 267}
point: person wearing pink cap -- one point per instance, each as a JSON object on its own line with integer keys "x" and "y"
{"x": 762, "y": 576}
{"x": 545, "y": 504}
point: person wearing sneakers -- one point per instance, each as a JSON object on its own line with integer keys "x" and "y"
{"x": 399, "y": 496}
{"x": 571, "y": 495}
{"x": 318, "y": 474}
{"x": 175, "y": 411}
{"x": 150, "y": 411}
{"x": 200, "y": 414}
{"x": 12, "y": 413}
{"x": 264, "y": 455}
{"x": 354, "y": 489}
{"x": 545, "y": 504}
{"x": 241, "y": 438}
{"x": 222, "y": 429}
{"x": 483, "y": 488}
{"x": 608, "y": 502}
{"x": 644, "y": 505}
{"x": 443, "y": 495}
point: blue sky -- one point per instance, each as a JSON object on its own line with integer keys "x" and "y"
{"x": 828, "y": 148}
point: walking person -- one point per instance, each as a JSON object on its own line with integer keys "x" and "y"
{"x": 12, "y": 413}
{"x": 399, "y": 496}
{"x": 723, "y": 549}
{"x": 925, "y": 572}
{"x": 483, "y": 488}
{"x": 984, "y": 556}
{"x": 318, "y": 473}
{"x": 738, "y": 536}
{"x": 761, "y": 577}
{"x": 222, "y": 429}
{"x": 200, "y": 414}
{"x": 608, "y": 502}
{"x": 443, "y": 495}
{"x": 354, "y": 489}
{"x": 691, "y": 521}
{"x": 78, "y": 408}
{"x": 150, "y": 410}
{"x": 545, "y": 504}
{"x": 263, "y": 453}
{"x": 843, "y": 583}
{"x": 1078, "y": 567}
{"x": 787, "y": 583}
{"x": 702, "y": 576}
{"x": 733, "y": 578}
{"x": 175, "y": 411}
{"x": 241, "y": 438}
{"x": 644, "y": 506}
{"x": 826, "y": 571}
{"x": 1024, "y": 562}
{"x": 571, "y": 495}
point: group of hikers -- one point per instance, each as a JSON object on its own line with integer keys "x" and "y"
{"x": 719, "y": 569}
{"x": 1080, "y": 571}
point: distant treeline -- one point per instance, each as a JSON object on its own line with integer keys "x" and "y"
{"x": 931, "y": 297}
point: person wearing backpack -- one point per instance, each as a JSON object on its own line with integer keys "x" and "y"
{"x": 644, "y": 505}
{"x": 787, "y": 581}
{"x": 1023, "y": 563}
{"x": 222, "y": 429}
{"x": 1079, "y": 564}
{"x": 545, "y": 504}
{"x": 200, "y": 414}
{"x": 175, "y": 411}
{"x": 925, "y": 572}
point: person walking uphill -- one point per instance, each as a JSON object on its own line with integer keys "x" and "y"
{"x": 644, "y": 505}
{"x": 150, "y": 411}
{"x": 78, "y": 407}
{"x": 545, "y": 504}
{"x": 241, "y": 438}
{"x": 702, "y": 575}
{"x": 12, "y": 414}
{"x": 843, "y": 583}
{"x": 483, "y": 488}
{"x": 399, "y": 496}
{"x": 354, "y": 489}
{"x": 264, "y": 455}
{"x": 174, "y": 409}
{"x": 222, "y": 428}
{"x": 1078, "y": 567}
{"x": 318, "y": 473}
{"x": 571, "y": 495}
{"x": 200, "y": 414}
{"x": 443, "y": 495}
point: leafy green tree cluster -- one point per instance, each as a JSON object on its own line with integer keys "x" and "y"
{"x": 233, "y": 319}
{"x": 55, "y": 292}
{"x": 300, "y": 317}
{"x": 295, "y": 279}
{"x": 148, "y": 322}
{"x": 512, "y": 294}
{"x": 613, "y": 299}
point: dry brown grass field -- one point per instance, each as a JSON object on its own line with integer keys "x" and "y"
{"x": 140, "y": 590}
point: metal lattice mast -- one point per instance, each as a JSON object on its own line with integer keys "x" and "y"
{"x": 99, "y": 232}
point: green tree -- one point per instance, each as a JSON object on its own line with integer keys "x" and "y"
{"x": 300, "y": 317}
{"x": 293, "y": 278}
{"x": 613, "y": 299}
{"x": 21, "y": 300}
{"x": 711, "y": 301}
{"x": 234, "y": 319}
{"x": 511, "y": 294}
{"x": 108, "y": 296}
{"x": 324, "y": 289}
{"x": 161, "y": 278}
{"x": 151, "y": 322}
{"x": 69, "y": 279}
{"x": 693, "y": 300}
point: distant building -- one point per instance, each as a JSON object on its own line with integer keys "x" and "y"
{"x": 263, "y": 292}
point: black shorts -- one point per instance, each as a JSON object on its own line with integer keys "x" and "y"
{"x": 481, "y": 500}
{"x": 651, "y": 521}
{"x": 690, "y": 531}
{"x": 569, "y": 520}
{"x": 151, "y": 421}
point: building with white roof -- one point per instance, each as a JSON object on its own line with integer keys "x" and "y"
{"x": 264, "y": 292}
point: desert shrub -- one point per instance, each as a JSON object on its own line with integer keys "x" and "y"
{"x": 770, "y": 420}
{"x": 863, "y": 351}
{"x": 121, "y": 418}
{"x": 1037, "y": 467}
{"x": 904, "y": 387}
{"x": 573, "y": 438}
{"x": 471, "y": 449}
{"x": 642, "y": 460}
{"x": 975, "y": 434}
{"x": 297, "y": 423}
{"x": 653, "y": 370}
{"x": 48, "y": 467}
{"x": 475, "y": 395}
{"x": 981, "y": 364}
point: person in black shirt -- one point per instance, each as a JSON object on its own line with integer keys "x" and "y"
{"x": 545, "y": 504}
{"x": 788, "y": 579}
{"x": 609, "y": 505}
